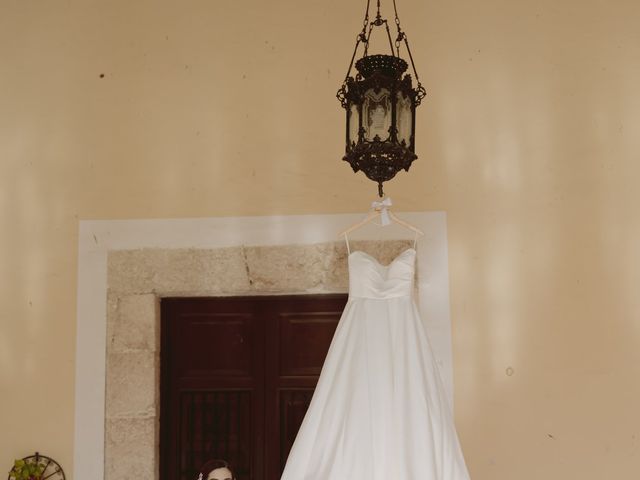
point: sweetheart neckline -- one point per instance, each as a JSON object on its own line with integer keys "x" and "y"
{"x": 375, "y": 260}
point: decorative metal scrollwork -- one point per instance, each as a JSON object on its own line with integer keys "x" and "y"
{"x": 50, "y": 469}
{"x": 380, "y": 103}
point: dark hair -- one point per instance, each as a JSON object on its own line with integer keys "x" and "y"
{"x": 215, "y": 464}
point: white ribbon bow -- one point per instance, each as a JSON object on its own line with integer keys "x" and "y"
{"x": 383, "y": 206}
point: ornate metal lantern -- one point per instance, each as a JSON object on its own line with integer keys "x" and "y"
{"x": 381, "y": 106}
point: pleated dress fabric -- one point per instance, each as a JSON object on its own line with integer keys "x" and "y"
{"x": 379, "y": 411}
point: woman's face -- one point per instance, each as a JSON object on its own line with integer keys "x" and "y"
{"x": 220, "y": 474}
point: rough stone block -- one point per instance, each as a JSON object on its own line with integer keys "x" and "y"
{"x": 202, "y": 272}
{"x": 132, "y": 271}
{"x": 131, "y": 384}
{"x": 131, "y": 446}
{"x": 295, "y": 268}
{"x": 137, "y": 324}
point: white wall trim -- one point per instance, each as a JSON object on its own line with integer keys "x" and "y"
{"x": 97, "y": 238}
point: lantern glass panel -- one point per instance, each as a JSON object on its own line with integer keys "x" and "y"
{"x": 354, "y": 124}
{"x": 404, "y": 118}
{"x": 376, "y": 114}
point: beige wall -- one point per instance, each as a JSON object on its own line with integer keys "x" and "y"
{"x": 529, "y": 141}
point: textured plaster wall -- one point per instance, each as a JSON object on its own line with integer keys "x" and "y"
{"x": 137, "y": 279}
{"x": 528, "y": 140}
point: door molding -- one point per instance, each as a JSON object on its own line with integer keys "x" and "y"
{"x": 129, "y": 248}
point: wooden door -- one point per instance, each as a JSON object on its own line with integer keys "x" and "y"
{"x": 237, "y": 375}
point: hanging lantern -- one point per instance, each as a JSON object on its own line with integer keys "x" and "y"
{"x": 380, "y": 102}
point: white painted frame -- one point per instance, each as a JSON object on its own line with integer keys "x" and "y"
{"x": 97, "y": 238}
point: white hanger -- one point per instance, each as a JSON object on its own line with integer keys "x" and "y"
{"x": 381, "y": 210}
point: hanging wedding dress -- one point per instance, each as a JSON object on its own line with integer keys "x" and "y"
{"x": 379, "y": 411}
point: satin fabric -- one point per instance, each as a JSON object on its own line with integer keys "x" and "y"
{"x": 379, "y": 411}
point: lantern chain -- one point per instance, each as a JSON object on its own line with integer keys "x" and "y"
{"x": 366, "y": 41}
{"x": 378, "y": 22}
{"x": 364, "y": 37}
{"x": 389, "y": 36}
{"x": 361, "y": 38}
{"x": 365, "y": 22}
{"x": 420, "y": 90}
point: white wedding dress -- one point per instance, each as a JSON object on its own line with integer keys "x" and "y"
{"x": 379, "y": 411}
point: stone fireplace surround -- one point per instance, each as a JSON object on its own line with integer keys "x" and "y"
{"x": 133, "y": 264}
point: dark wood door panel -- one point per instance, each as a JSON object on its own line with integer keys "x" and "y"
{"x": 216, "y": 421}
{"x": 296, "y": 349}
{"x": 237, "y": 376}
{"x": 216, "y": 345}
{"x": 212, "y": 386}
{"x": 293, "y": 406}
{"x": 304, "y": 340}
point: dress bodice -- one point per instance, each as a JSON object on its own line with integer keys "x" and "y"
{"x": 368, "y": 278}
{"x": 380, "y": 409}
